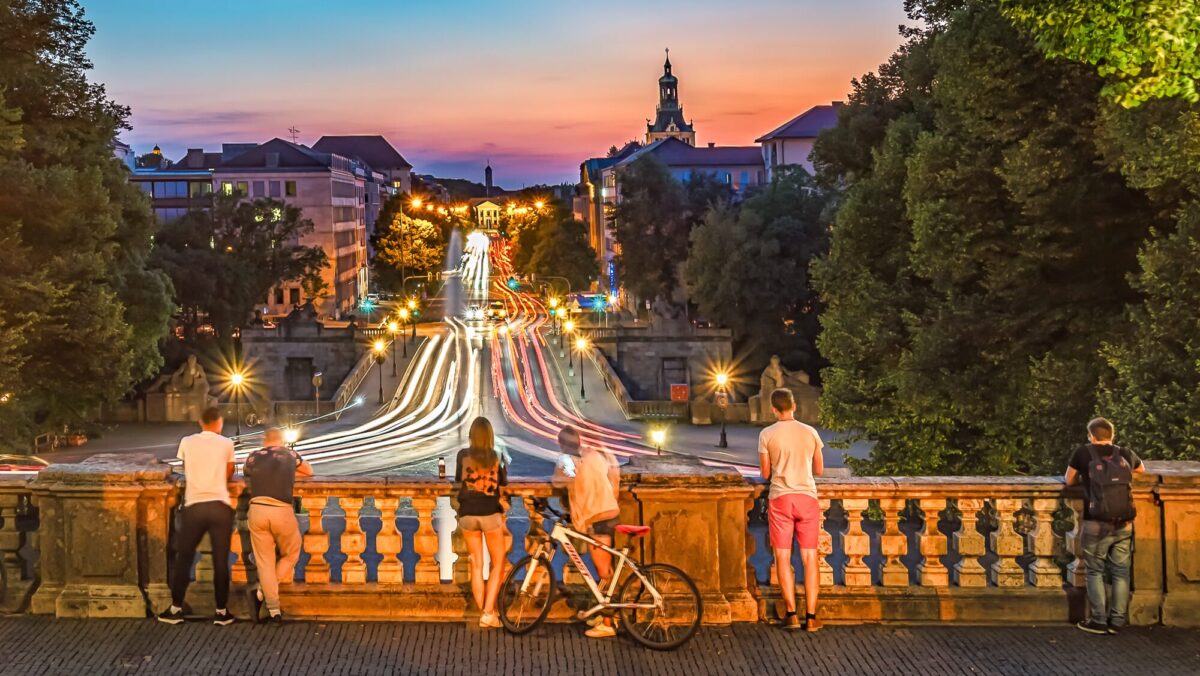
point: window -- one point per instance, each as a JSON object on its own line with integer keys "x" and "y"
{"x": 167, "y": 215}
{"x": 226, "y": 188}
{"x": 289, "y": 188}
{"x": 745, "y": 179}
{"x": 147, "y": 188}
{"x": 273, "y": 189}
{"x": 278, "y": 295}
{"x": 170, "y": 189}
{"x": 196, "y": 189}
{"x": 243, "y": 188}
{"x": 343, "y": 189}
{"x": 294, "y": 296}
{"x": 344, "y": 214}
{"x": 259, "y": 188}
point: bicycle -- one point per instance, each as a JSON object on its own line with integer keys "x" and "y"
{"x": 658, "y": 604}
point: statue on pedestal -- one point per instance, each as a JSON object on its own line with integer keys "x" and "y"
{"x": 181, "y": 396}
{"x": 774, "y": 377}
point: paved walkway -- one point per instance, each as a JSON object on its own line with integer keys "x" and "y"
{"x": 47, "y": 646}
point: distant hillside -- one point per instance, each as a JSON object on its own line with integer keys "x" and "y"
{"x": 461, "y": 188}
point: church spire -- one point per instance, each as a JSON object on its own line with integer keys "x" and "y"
{"x": 669, "y": 120}
{"x": 667, "y": 65}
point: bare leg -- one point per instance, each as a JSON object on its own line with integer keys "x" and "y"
{"x": 786, "y": 577}
{"x": 474, "y": 540}
{"x": 812, "y": 580}
{"x": 495, "y": 547}
{"x": 601, "y": 558}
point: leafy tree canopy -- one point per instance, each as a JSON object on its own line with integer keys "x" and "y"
{"x": 562, "y": 250}
{"x": 405, "y": 246}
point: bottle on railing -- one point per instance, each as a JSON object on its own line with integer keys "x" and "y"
{"x": 441, "y": 468}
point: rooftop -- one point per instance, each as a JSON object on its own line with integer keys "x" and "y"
{"x": 373, "y": 150}
{"x": 808, "y": 124}
{"x": 675, "y": 153}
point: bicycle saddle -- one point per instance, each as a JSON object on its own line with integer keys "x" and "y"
{"x": 635, "y": 531}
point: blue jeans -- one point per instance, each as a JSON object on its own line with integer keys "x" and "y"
{"x": 1106, "y": 553}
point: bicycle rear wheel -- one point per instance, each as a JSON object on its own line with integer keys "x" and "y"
{"x": 673, "y": 620}
{"x": 522, "y": 610}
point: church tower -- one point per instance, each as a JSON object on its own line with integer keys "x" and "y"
{"x": 487, "y": 179}
{"x": 668, "y": 120}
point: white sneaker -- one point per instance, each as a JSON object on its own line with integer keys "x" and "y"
{"x": 489, "y": 621}
{"x": 602, "y": 630}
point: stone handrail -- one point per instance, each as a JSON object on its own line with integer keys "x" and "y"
{"x": 345, "y": 391}
{"x": 1000, "y": 549}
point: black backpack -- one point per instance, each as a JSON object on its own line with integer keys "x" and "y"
{"x": 1109, "y": 490}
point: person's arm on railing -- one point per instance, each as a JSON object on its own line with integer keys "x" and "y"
{"x": 764, "y": 458}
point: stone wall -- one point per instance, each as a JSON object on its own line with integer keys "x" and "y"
{"x": 638, "y": 356}
{"x": 333, "y": 352}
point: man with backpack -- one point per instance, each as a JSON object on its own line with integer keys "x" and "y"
{"x": 1106, "y": 471}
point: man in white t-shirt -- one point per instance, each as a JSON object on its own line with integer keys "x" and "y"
{"x": 789, "y": 454}
{"x": 207, "y": 508}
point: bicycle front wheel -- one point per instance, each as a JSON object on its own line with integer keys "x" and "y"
{"x": 523, "y": 606}
{"x": 669, "y": 621}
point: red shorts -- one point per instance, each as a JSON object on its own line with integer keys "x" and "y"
{"x": 794, "y": 515}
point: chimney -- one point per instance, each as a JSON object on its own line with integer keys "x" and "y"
{"x": 194, "y": 159}
{"x": 711, "y": 144}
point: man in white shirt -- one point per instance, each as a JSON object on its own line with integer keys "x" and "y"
{"x": 207, "y": 508}
{"x": 789, "y": 455}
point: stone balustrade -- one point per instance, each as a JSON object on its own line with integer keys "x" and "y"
{"x": 967, "y": 549}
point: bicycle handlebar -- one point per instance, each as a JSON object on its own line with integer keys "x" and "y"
{"x": 543, "y": 505}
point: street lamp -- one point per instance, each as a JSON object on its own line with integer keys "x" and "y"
{"x": 581, "y": 344}
{"x": 237, "y": 379}
{"x": 377, "y": 347}
{"x": 411, "y": 306}
{"x": 290, "y": 436}
{"x": 723, "y": 404}
{"x": 569, "y": 327}
{"x": 393, "y": 327}
{"x": 416, "y": 203}
{"x": 658, "y": 436}
{"x": 403, "y": 342}
{"x": 538, "y": 205}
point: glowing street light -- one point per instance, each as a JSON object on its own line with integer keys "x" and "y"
{"x": 411, "y": 306}
{"x": 404, "y": 314}
{"x": 378, "y": 347}
{"x": 236, "y": 380}
{"x": 569, "y": 327}
{"x": 658, "y": 436}
{"x": 581, "y": 344}
{"x": 722, "y": 397}
{"x": 538, "y": 205}
{"x": 290, "y": 436}
{"x": 416, "y": 203}
{"x": 393, "y": 327}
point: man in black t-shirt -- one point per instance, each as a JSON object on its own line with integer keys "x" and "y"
{"x": 1106, "y": 543}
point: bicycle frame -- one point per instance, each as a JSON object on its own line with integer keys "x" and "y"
{"x": 561, "y": 535}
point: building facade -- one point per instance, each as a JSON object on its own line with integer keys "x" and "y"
{"x": 792, "y": 142}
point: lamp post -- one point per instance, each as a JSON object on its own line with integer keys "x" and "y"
{"x": 403, "y": 341}
{"x": 411, "y": 306}
{"x": 290, "y": 436}
{"x": 581, "y": 345}
{"x": 722, "y": 403}
{"x": 658, "y": 437}
{"x": 236, "y": 379}
{"x": 380, "y": 357}
{"x": 569, "y": 326}
{"x": 392, "y": 327}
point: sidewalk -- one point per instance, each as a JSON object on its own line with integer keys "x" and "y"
{"x": 47, "y": 646}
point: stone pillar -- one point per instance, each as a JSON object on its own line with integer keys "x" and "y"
{"x": 14, "y": 587}
{"x": 1145, "y": 604}
{"x": 103, "y": 525}
{"x": 1179, "y": 495}
{"x": 697, "y": 516}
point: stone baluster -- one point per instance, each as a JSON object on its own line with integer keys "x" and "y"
{"x": 354, "y": 542}
{"x": 857, "y": 544}
{"x": 1008, "y": 545}
{"x": 462, "y": 560}
{"x": 1076, "y": 570}
{"x": 316, "y": 541}
{"x": 893, "y": 543}
{"x": 237, "y": 574}
{"x": 969, "y": 543}
{"x": 1043, "y": 572}
{"x": 933, "y": 546}
{"x": 425, "y": 541}
{"x": 389, "y": 542}
{"x": 204, "y": 566}
{"x": 11, "y": 566}
{"x": 824, "y": 547}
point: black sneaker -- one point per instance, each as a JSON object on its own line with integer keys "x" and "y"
{"x": 275, "y": 620}
{"x": 1113, "y": 630}
{"x": 222, "y": 618}
{"x": 256, "y": 605}
{"x": 169, "y": 617}
{"x": 1093, "y": 627}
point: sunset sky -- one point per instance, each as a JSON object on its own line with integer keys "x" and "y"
{"x": 534, "y": 86}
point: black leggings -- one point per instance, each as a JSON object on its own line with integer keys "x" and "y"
{"x": 216, "y": 519}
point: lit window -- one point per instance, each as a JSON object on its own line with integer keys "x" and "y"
{"x": 289, "y": 188}
{"x": 226, "y": 188}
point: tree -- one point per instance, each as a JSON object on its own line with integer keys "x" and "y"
{"x": 224, "y": 260}
{"x": 1146, "y": 50}
{"x": 563, "y": 251}
{"x": 81, "y": 313}
{"x": 405, "y": 246}
{"x": 989, "y": 190}
{"x": 749, "y": 268}
{"x": 653, "y": 221}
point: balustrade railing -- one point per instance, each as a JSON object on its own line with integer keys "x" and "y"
{"x": 18, "y": 543}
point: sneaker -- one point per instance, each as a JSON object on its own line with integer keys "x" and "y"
{"x": 222, "y": 618}
{"x": 256, "y": 605}
{"x": 602, "y": 630}
{"x": 275, "y": 620}
{"x": 1113, "y": 629}
{"x": 489, "y": 621}
{"x": 169, "y": 617}
{"x": 812, "y": 624}
{"x": 792, "y": 622}
{"x": 1093, "y": 627}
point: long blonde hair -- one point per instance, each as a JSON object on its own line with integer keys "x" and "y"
{"x": 482, "y": 448}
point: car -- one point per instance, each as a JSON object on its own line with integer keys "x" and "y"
{"x": 496, "y": 311}
{"x": 372, "y": 298}
{"x": 12, "y": 464}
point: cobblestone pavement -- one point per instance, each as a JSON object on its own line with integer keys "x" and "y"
{"x": 46, "y": 646}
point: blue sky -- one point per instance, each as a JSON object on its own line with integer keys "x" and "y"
{"x": 535, "y": 86}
